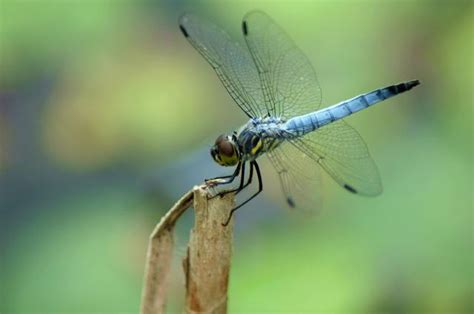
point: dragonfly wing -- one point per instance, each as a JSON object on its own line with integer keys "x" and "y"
{"x": 233, "y": 65}
{"x": 289, "y": 84}
{"x": 299, "y": 176}
{"x": 341, "y": 151}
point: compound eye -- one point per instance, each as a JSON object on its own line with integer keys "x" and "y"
{"x": 226, "y": 148}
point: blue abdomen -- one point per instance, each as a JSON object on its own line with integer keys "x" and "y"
{"x": 309, "y": 122}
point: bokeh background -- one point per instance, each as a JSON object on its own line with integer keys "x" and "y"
{"x": 106, "y": 117}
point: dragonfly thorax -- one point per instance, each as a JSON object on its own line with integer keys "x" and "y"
{"x": 258, "y": 136}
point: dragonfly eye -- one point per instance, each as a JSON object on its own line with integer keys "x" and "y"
{"x": 224, "y": 151}
{"x": 225, "y": 147}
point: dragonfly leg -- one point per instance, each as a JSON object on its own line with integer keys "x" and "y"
{"x": 224, "y": 179}
{"x": 242, "y": 179}
{"x": 240, "y": 168}
{"x": 248, "y": 181}
{"x": 260, "y": 189}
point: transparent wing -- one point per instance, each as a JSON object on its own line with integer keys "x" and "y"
{"x": 340, "y": 150}
{"x": 288, "y": 81}
{"x": 299, "y": 176}
{"x": 233, "y": 65}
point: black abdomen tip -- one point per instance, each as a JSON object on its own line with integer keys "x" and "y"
{"x": 413, "y": 83}
{"x": 402, "y": 87}
{"x": 244, "y": 28}
{"x": 407, "y": 86}
{"x": 350, "y": 188}
{"x": 183, "y": 30}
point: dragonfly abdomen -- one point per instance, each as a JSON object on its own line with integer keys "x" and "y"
{"x": 309, "y": 122}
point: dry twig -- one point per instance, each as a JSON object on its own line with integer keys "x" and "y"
{"x": 207, "y": 263}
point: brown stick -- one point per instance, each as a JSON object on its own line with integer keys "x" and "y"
{"x": 158, "y": 259}
{"x": 207, "y": 264}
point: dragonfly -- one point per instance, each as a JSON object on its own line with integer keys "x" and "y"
{"x": 274, "y": 84}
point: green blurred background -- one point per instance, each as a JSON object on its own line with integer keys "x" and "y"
{"x": 106, "y": 117}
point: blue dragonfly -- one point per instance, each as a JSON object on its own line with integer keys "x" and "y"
{"x": 275, "y": 85}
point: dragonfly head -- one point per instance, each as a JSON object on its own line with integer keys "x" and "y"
{"x": 225, "y": 151}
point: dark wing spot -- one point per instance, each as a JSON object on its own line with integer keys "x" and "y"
{"x": 183, "y": 30}
{"x": 290, "y": 202}
{"x": 350, "y": 188}
{"x": 244, "y": 28}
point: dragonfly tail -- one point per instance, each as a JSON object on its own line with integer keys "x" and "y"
{"x": 365, "y": 100}
{"x": 312, "y": 121}
{"x": 399, "y": 88}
